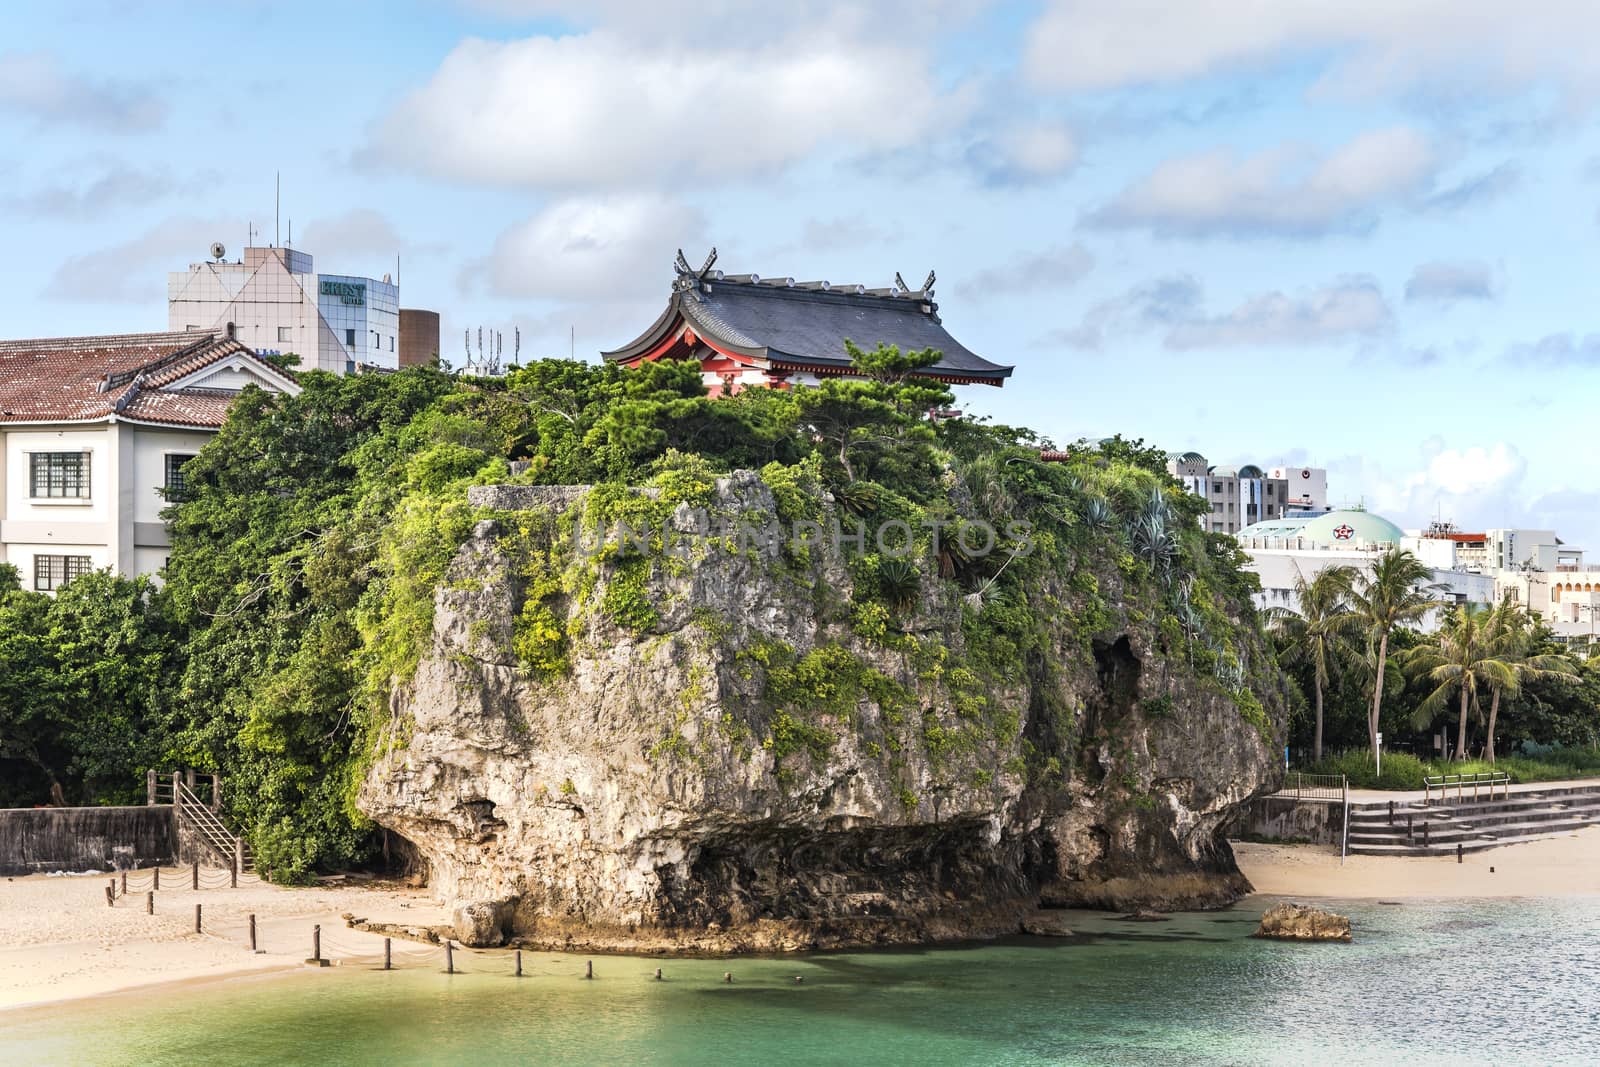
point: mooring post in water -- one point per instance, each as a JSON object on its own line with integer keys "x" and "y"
{"x": 519, "y": 963}
{"x": 197, "y": 918}
{"x": 449, "y": 957}
{"x": 588, "y": 969}
{"x": 727, "y": 977}
{"x": 150, "y": 902}
{"x": 388, "y": 960}
{"x": 252, "y": 931}
{"x": 658, "y": 974}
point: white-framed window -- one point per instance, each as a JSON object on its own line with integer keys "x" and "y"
{"x": 349, "y": 337}
{"x": 285, "y": 334}
{"x": 58, "y": 475}
{"x": 52, "y": 572}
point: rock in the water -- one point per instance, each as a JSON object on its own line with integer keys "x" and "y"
{"x": 482, "y": 923}
{"x": 1046, "y": 924}
{"x": 663, "y": 779}
{"x": 1297, "y": 922}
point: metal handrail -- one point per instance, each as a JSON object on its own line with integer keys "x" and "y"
{"x": 1486, "y": 779}
{"x": 1313, "y": 786}
{"x": 211, "y": 829}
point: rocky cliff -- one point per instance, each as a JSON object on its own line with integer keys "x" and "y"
{"x": 725, "y": 744}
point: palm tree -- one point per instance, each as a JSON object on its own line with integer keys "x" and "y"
{"x": 1461, "y": 657}
{"x": 1390, "y": 594}
{"x": 1314, "y": 633}
{"x": 1511, "y": 634}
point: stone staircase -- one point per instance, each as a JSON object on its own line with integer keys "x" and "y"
{"x": 1438, "y": 828}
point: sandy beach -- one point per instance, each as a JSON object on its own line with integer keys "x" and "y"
{"x": 1558, "y": 866}
{"x": 62, "y": 942}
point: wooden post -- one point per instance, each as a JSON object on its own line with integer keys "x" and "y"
{"x": 197, "y": 918}
{"x": 150, "y": 903}
{"x": 194, "y": 875}
{"x": 111, "y": 896}
{"x": 316, "y": 943}
{"x": 1425, "y": 843}
{"x": 252, "y": 931}
{"x": 124, "y": 883}
{"x": 238, "y": 859}
{"x": 233, "y": 870}
{"x": 1391, "y": 813}
{"x": 157, "y": 872}
{"x": 449, "y": 957}
{"x": 388, "y": 962}
{"x": 519, "y": 963}
{"x": 1458, "y": 851}
{"x": 658, "y": 974}
{"x": 150, "y": 787}
{"x": 588, "y": 969}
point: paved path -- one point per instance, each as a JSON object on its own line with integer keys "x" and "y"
{"x": 1405, "y": 796}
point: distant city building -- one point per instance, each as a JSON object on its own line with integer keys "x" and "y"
{"x": 419, "y": 337}
{"x": 747, "y": 330}
{"x": 1241, "y": 496}
{"x": 94, "y": 429}
{"x": 1303, "y": 544}
{"x": 275, "y": 303}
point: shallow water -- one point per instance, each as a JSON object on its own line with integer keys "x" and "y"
{"x": 1513, "y": 981}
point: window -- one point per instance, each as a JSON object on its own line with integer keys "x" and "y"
{"x": 174, "y": 482}
{"x": 350, "y": 338}
{"x": 59, "y": 475}
{"x": 391, "y": 342}
{"x": 1216, "y": 509}
{"x": 285, "y": 334}
{"x": 52, "y": 572}
{"x": 1216, "y": 487}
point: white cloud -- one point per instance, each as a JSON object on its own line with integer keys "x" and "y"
{"x": 589, "y": 248}
{"x": 78, "y": 193}
{"x": 35, "y": 85}
{"x": 1051, "y": 270}
{"x": 603, "y": 108}
{"x": 1025, "y": 151}
{"x": 134, "y": 272}
{"x": 1476, "y": 486}
{"x": 1286, "y": 190}
{"x": 1375, "y": 45}
{"x": 1349, "y": 308}
{"x": 1447, "y": 283}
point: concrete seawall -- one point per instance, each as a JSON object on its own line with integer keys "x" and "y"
{"x": 35, "y": 840}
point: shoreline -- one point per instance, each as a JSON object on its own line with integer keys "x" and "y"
{"x": 1564, "y": 866}
{"x": 63, "y": 943}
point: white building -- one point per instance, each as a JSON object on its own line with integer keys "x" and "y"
{"x": 1304, "y": 545}
{"x": 93, "y": 429}
{"x": 274, "y": 302}
{"x": 1242, "y": 496}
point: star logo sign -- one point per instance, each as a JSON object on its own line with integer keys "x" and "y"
{"x": 1344, "y": 532}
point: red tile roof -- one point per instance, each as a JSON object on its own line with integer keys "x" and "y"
{"x": 89, "y": 379}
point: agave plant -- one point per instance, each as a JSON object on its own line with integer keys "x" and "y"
{"x": 900, "y": 584}
{"x": 1154, "y": 539}
{"x": 1098, "y": 515}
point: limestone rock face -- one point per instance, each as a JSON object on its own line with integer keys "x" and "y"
{"x": 1298, "y": 922}
{"x": 662, "y": 784}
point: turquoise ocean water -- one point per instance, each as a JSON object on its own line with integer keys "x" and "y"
{"x": 1505, "y": 982}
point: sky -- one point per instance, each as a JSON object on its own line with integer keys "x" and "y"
{"x": 1352, "y": 234}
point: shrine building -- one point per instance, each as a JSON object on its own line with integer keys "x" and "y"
{"x": 747, "y": 330}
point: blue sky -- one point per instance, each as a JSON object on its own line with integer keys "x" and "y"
{"x": 1353, "y": 234}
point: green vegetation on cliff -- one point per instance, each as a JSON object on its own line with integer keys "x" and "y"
{"x": 315, "y": 531}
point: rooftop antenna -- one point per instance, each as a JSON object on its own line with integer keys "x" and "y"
{"x": 516, "y": 344}
{"x": 290, "y": 242}
{"x": 277, "y": 196}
